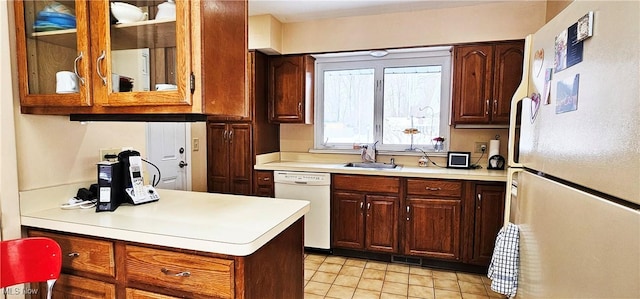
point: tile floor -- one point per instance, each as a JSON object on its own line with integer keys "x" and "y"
{"x": 345, "y": 278}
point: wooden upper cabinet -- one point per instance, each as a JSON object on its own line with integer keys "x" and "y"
{"x": 290, "y": 90}
{"x": 148, "y": 66}
{"x": 485, "y": 78}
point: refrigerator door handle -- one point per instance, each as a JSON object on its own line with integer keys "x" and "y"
{"x": 507, "y": 200}
{"x": 520, "y": 94}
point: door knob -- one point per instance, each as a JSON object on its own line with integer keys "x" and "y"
{"x": 182, "y": 164}
{"x": 181, "y": 150}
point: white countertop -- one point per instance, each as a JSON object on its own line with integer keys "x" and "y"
{"x": 219, "y": 223}
{"x": 404, "y": 171}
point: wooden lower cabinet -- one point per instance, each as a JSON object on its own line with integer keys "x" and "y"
{"x": 487, "y": 218}
{"x": 138, "y": 294}
{"x": 276, "y": 270}
{"x": 76, "y": 287}
{"x": 264, "y": 183}
{"x": 432, "y": 228}
{"x": 365, "y": 217}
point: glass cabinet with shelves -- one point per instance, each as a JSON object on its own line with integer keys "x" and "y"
{"x": 90, "y": 56}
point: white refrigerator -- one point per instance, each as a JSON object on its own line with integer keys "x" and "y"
{"x": 577, "y": 200}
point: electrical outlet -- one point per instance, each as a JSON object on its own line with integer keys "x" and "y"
{"x": 479, "y": 146}
{"x": 196, "y": 144}
{"x": 108, "y": 151}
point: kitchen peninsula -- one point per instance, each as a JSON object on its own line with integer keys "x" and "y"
{"x": 187, "y": 245}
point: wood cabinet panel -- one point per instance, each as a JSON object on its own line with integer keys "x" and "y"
{"x": 366, "y": 183}
{"x": 188, "y": 273}
{"x": 489, "y": 217}
{"x": 348, "y": 220}
{"x": 381, "y": 223}
{"x": 76, "y": 287}
{"x": 433, "y": 228}
{"x": 240, "y": 158}
{"x": 82, "y": 254}
{"x": 290, "y": 89}
{"x": 485, "y": 79}
{"x": 217, "y": 158}
{"x": 138, "y": 294}
{"x": 264, "y": 183}
{"x": 437, "y": 188}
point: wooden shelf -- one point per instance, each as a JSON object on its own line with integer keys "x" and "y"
{"x": 144, "y": 34}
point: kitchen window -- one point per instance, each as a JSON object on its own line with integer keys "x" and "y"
{"x": 398, "y": 98}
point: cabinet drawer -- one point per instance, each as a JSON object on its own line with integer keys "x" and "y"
{"x": 71, "y": 286}
{"x": 366, "y": 183}
{"x": 439, "y": 188}
{"x": 189, "y": 273}
{"x": 138, "y": 294}
{"x": 83, "y": 254}
{"x": 264, "y": 178}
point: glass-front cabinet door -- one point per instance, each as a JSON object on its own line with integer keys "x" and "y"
{"x": 143, "y": 52}
{"x": 53, "y": 53}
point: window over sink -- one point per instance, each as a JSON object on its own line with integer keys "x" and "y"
{"x": 398, "y": 98}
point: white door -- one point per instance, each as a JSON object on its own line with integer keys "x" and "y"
{"x": 167, "y": 148}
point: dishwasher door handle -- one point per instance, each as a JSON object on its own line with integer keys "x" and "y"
{"x": 300, "y": 183}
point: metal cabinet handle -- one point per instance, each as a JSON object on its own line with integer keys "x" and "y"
{"x": 495, "y": 106}
{"x": 73, "y": 254}
{"x": 75, "y": 68}
{"x": 479, "y": 200}
{"x": 101, "y": 57}
{"x": 266, "y": 179}
{"x": 224, "y": 135}
{"x": 361, "y": 204}
{"x": 408, "y": 211}
{"x": 231, "y": 136}
{"x": 178, "y": 274}
{"x": 368, "y": 206}
{"x": 300, "y": 107}
{"x": 433, "y": 188}
{"x": 487, "y": 111}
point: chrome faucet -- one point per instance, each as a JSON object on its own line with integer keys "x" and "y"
{"x": 366, "y": 157}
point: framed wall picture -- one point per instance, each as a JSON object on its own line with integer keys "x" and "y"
{"x": 585, "y": 27}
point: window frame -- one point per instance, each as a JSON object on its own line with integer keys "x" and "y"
{"x": 395, "y": 58}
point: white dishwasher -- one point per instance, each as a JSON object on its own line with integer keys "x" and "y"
{"x": 315, "y": 188}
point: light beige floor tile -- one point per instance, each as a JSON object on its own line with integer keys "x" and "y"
{"x": 366, "y": 294}
{"x": 340, "y": 292}
{"x": 396, "y": 277}
{"x": 325, "y": 277}
{"x": 312, "y": 296}
{"x": 444, "y": 275}
{"x": 445, "y": 284}
{"x": 317, "y": 288}
{"x": 420, "y": 280}
{"x": 486, "y": 280}
{"x": 398, "y": 268}
{"x": 421, "y": 292}
{"x": 473, "y": 296}
{"x": 373, "y": 274}
{"x": 312, "y": 265}
{"x": 306, "y": 281}
{"x": 315, "y": 257}
{"x": 445, "y": 294}
{"x": 469, "y": 277}
{"x": 355, "y": 262}
{"x": 472, "y": 288}
{"x": 370, "y": 284}
{"x": 347, "y": 281}
{"x": 329, "y": 267}
{"x": 420, "y": 271}
{"x": 308, "y": 274}
{"x": 493, "y": 294}
{"x": 376, "y": 265}
{"x": 392, "y": 296}
{"x": 335, "y": 260}
{"x": 351, "y": 271}
{"x": 395, "y": 288}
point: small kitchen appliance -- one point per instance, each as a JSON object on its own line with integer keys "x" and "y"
{"x": 133, "y": 181}
{"x": 110, "y": 186}
{"x": 458, "y": 160}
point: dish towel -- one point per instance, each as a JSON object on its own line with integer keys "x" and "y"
{"x": 503, "y": 270}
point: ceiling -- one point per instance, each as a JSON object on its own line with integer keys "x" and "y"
{"x": 288, "y": 11}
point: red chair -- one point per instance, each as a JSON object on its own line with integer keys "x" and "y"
{"x": 34, "y": 259}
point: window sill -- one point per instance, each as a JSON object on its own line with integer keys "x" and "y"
{"x": 380, "y": 152}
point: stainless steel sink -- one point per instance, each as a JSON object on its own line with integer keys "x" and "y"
{"x": 376, "y": 165}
